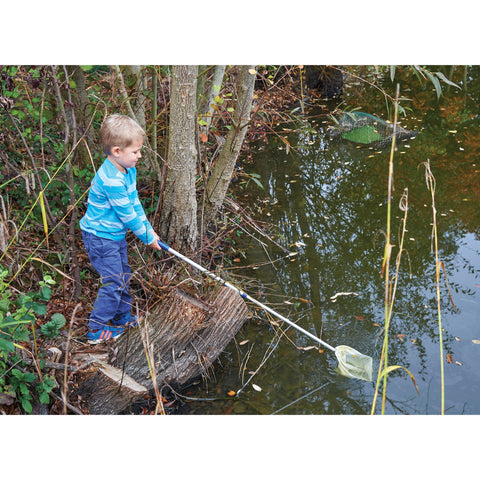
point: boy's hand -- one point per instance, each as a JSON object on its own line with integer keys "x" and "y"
{"x": 155, "y": 244}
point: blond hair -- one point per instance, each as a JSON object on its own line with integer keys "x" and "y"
{"x": 121, "y": 131}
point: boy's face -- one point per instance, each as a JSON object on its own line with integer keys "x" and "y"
{"x": 127, "y": 157}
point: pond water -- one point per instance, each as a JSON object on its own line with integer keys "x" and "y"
{"x": 326, "y": 200}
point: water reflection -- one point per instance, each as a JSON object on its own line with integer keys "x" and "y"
{"x": 327, "y": 200}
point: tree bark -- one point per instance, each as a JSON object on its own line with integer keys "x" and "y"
{"x": 82, "y": 114}
{"x": 221, "y": 174}
{"x": 215, "y": 87}
{"x": 178, "y": 221}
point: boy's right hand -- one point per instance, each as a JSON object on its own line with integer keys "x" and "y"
{"x": 155, "y": 244}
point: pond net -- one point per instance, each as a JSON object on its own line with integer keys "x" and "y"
{"x": 369, "y": 130}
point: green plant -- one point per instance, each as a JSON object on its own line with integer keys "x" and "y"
{"x": 252, "y": 176}
{"x": 53, "y": 327}
{"x": 17, "y": 320}
{"x": 18, "y": 382}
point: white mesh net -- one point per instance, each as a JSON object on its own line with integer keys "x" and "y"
{"x": 354, "y": 364}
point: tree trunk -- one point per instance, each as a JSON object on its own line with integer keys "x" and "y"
{"x": 215, "y": 87}
{"x": 178, "y": 221}
{"x": 82, "y": 114}
{"x": 139, "y": 102}
{"x": 222, "y": 171}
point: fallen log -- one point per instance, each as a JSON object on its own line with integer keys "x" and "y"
{"x": 182, "y": 337}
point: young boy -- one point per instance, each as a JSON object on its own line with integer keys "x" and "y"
{"x": 113, "y": 208}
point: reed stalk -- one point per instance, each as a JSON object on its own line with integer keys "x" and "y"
{"x": 431, "y": 183}
{"x": 390, "y": 284}
{"x": 386, "y": 271}
{"x": 147, "y": 348}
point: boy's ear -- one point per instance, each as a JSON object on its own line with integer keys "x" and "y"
{"x": 115, "y": 150}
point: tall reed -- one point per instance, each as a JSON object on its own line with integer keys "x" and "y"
{"x": 390, "y": 284}
{"x": 431, "y": 184}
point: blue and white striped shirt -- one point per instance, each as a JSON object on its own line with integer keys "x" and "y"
{"x": 114, "y": 207}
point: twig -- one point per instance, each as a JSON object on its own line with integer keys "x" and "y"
{"x": 65, "y": 382}
{"x": 302, "y": 397}
{"x": 66, "y": 404}
{"x": 265, "y": 358}
{"x": 54, "y": 365}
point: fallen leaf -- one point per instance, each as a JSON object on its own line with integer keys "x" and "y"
{"x": 342, "y": 293}
{"x": 476, "y": 342}
{"x": 203, "y": 138}
{"x": 299, "y": 244}
{"x": 459, "y": 363}
{"x": 376, "y": 324}
{"x": 449, "y": 358}
{"x": 256, "y": 387}
{"x": 243, "y": 342}
{"x": 457, "y": 339}
{"x": 401, "y": 335}
{"x": 231, "y": 393}
{"x": 6, "y": 399}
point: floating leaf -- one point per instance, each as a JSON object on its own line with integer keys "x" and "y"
{"x": 298, "y": 244}
{"x": 476, "y": 342}
{"x": 342, "y": 293}
{"x": 459, "y": 363}
{"x": 243, "y": 342}
{"x": 256, "y": 387}
{"x": 449, "y": 358}
{"x": 457, "y": 339}
{"x": 231, "y": 393}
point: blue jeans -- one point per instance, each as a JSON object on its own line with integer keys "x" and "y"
{"x": 109, "y": 258}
